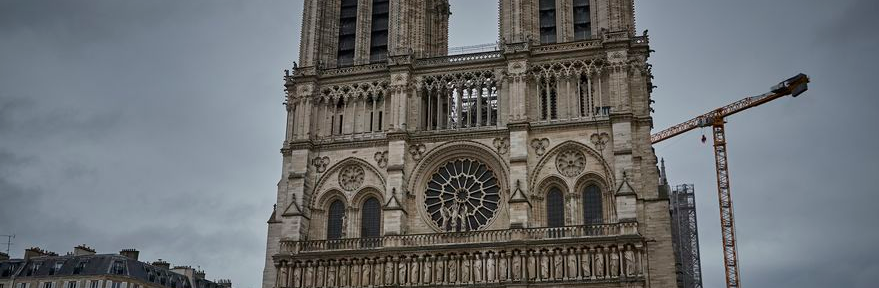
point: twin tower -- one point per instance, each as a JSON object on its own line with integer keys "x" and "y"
{"x": 526, "y": 165}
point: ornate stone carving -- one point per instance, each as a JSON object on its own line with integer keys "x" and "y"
{"x": 540, "y": 146}
{"x": 351, "y": 177}
{"x": 614, "y": 264}
{"x": 417, "y": 151}
{"x": 599, "y": 264}
{"x": 463, "y": 195}
{"x": 320, "y": 163}
{"x": 381, "y": 159}
{"x": 600, "y": 140}
{"x": 502, "y": 145}
{"x": 629, "y": 255}
{"x": 571, "y": 162}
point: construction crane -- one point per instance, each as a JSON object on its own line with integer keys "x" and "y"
{"x": 716, "y": 120}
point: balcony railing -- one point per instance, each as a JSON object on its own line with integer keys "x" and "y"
{"x": 456, "y": 238}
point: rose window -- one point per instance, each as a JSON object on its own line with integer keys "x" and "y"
{"x": 463, "y": 195}
{"x": 351, "y": 177}
{"x": 571, "y": 163}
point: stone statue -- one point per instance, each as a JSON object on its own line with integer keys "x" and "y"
{"x": 309, "y": 276}
{"x": 453, "y": 270}
{"x": 614, "y": 264}
{"x": 572, "y": 266}
{"x": 585, "y": 260}
{"x": 490, "y": 271}
{"x": 389, "y": 272}
{"x": 283, "y": 276}
{"x": 502, "y": 267}
{"x": 343, "y": 275}
{"x": 297, "y": 276}
{"x": 532, "y": 266}
{"x": 401, "y": 271}
{"x": 558, "y": 265}
{"x": 631, "y": 269}
{"x": 355, "y": 273}
{"x": 425, "y": 271}
{"x": 321, "y": 275}
{"x": 478, "y": 273}
{"x": 438, "y": 269}
{"x": 331, "y": 276}
{"x": 599, "y": 264}
{"x": 376, "y": 271}
{"x": 516, "y": 271}
{"x": 413, "y": 271}
{"x": 544, "y": 267}
{"x": 465, "y": 269}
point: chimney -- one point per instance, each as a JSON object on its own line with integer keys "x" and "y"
{"x": 162, "y": 264}
{"x": 34, "y": 252}
{"x": 130, "y": 253}
{"x": 199, "y": 274}
{"x": 225, "y": 283}
{"x": 83, "y": 250}
{"x": 4, "y": 256}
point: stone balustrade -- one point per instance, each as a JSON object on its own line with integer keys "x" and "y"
{"x": 513, "y": 257}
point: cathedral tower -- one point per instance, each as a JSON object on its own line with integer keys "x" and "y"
{"x": 530, "y": 165}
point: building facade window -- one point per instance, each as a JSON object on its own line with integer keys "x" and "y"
{"x": 347, "y": 32}
{"x": 93, "y": 284}
{"x": 48, "y": 284}
{"x": 592, "y": 208}
{"x": 118, "y": 268}
{"x": 335, "y": 220}
{"x": 378, "y": 47}
{"x": 22, "y": 285}
{"x": 582, "y": 20}
{"x": 555, "y": 208}
{"x": 370, "y": 226}
{"x": 71, "y": 284}
{"x": 547, "y": 21}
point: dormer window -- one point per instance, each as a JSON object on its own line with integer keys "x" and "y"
{"x": 118, "y": 268}
{"x": 79, "y": 268}
{"x": 34, "y": 268}
{"x": 56, "y": 268}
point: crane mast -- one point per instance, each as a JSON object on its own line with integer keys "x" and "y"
{"x": 716, "y": 119}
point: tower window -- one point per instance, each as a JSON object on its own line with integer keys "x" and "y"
{"x": 555, "y": 208}
{"x": 547, "y": 21}
{"x": 592, "y": 208}
{"x": 347, "y": 32}
{"x": 582, "y": 20}
{"x": 335, "y": 219}
{"x": 378, "y": 47}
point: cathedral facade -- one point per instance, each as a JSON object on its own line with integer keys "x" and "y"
{"x": 527, "y": 165}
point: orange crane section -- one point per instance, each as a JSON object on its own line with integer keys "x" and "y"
{"x": 716, "y": 120}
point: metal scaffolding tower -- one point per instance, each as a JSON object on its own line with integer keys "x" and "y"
{"x": 685, "y": 236}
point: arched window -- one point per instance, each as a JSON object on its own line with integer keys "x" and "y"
{"x": 335, "y": 217}
{"x": 555, "y": 208}
{"x": 370, "y": 219}
{"x": 592, "y": 208}
{"x": 547, "y": 21}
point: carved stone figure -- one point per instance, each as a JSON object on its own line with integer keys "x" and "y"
{"x": 631, "y": 269}
{"x": 570, "y": 162}
{"x": 376, "y": 270}
{"x": 331, "y": 276}
{"x": 544, "y": 266}
{"x": 558, "y": 265}
{"x": 516, "y": 271}
{"x": 389, "y": 272}
{"x": 309, "y": 275}
{"x": 532, "y": 265}
{"x": 438, "y": 269}
{"x": 490, "y": 272}
{"x": 453, "y": 270}
{"x": 572, "y": 266}
{"x": 282, "y": 275}
{"x": 502, "y": 270}
{"x": 425, "y": 271}
{"x": 614, "y": 264}
{"x": 585, "y": 263}
{"x": 351, "y": 177}
{"x": 598, "y": 260}
{"x": 478, "y": 273}
{"x": 401, "y": 271}
{"x": 414, "y": 271}
{"x": 321, "y": 275}
{"x": 355, "y": 273}
{"x": 297, "y": 276}
{"x": 465, "y": 269}
{"x": 343, "y": 275}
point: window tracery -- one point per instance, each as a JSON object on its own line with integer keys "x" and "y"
{"x": 571, "y": 162}
{"x": 462, "y": 195}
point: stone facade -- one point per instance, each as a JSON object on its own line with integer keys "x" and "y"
{"x": 463, "y": 150}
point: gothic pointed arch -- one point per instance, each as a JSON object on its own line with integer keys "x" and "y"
{"x": 345, "y": 176}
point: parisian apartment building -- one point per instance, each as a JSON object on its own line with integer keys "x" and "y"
{"x": 84, "y": 268}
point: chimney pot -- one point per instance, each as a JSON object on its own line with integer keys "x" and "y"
{"x": 130, "y": 253}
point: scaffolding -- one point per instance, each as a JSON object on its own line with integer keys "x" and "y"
{"x": 685, "y": 236}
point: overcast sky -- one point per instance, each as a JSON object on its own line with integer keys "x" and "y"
{"x": 156, "y": 125}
